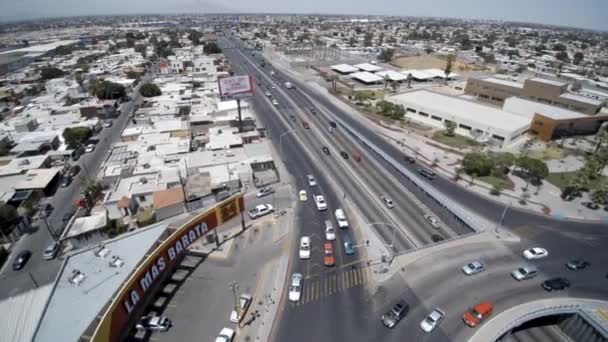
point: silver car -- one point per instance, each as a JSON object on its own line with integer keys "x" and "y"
{"x": 524, "y": 272}
{"x": 431, "y": 321}
{"x": 473, "y": 267}
{"x": 432, "y": 220}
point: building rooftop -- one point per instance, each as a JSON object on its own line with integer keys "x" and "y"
{"x": 581, "y": 98}
{"x": 418, "y": 74}
{"x": 37, "y": 179}
{"x": 504, "y": 82}
{"x": 528, "y": 108}
{"x": 167, "y": 198}
{"x": 392, "y": 75}
{"x": 368, "y": 67}
{"x": 366, "y": 77}
{"x": 548, "y": 81}
{"x": 23, "y": 312}
{"x": 83, "y": 225}
{"x": 344, "y": 68}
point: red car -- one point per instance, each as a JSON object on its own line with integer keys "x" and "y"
{"x": 472, "y": 317}
{"x": 328, "y": 254}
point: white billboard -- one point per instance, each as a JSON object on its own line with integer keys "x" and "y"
{"x": 236, "y": 86}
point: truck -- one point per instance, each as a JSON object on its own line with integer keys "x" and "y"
{"x": 288, "y": 85}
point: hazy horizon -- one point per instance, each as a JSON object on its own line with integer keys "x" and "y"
{"x": 589, "y": 15}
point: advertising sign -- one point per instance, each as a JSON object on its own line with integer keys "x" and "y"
{"x": 236, "y": 87}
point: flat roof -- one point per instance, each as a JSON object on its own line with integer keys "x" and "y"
{"x": 22, "y": 314}
{"x": 417, "y": 74}
{"x": 548, "y": 81}
{"x": 366, "y": 77}
{"x": 37, "y": 179}
{"x": 451, "y": 107}
{"x": 71, "y": 307}
{"x": 504, "y": 82}
{"x": 368, "y": 67}
{"x": 581, "y": 98}
{"x": 528, "y": 108}
{"x": 344, "y": 68}
{"x": 392, "y": 75}
{"x": 87, "y": 224}
{"x": 166, "y": 198}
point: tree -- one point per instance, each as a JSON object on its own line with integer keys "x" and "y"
{"x": 478, "y": 49}
{"x": 195, "y": 37}
{"x": 450, "y": 128}
{"x": 395, "y": 86}
{"x": 534, "y": 170}
{"x": 409, "y": 80}
{"x": 8, "y": 214}
{"x": 352, "y": 41}
{"x": 592, "y": 167}
{"x": 559, "y": 47}
{"x": 600, "y": 196}
{"x": 367, "y": 39}
{"x": 381, "y": 39}
{"x": 386, "y": 55}
{"x": 149, "y": 90}
{"x": 63, "y": 50}
{"x": 106, "y": 90}
{"x": 448, "y": 66}
{"x": 74, "y": 136}
{"x": 333, "y": 79}
{"x": 211, "y": 48}
{"x": 48, "y": 72}
{"x": 478, "y": 164}
{"x": 562, "y": 56}
{"x": 601, "y": 138}
{"x": 140, "y": 48}
{"x": 578, "y": 58}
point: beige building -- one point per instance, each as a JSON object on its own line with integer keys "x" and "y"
{"x": 546, "y": 91}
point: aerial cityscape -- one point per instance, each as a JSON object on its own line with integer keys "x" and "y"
{"x": 240, "y": 172}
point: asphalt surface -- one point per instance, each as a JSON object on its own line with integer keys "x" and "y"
{"x": 37, "y": 271}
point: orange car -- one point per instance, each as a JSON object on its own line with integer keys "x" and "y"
{"x": 328, "y": 254}
{"x": 477, "y": 314}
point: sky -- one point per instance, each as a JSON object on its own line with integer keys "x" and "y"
{"x": 590, "y": 14}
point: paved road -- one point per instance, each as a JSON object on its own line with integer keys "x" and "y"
{"x": 38, "y": 271}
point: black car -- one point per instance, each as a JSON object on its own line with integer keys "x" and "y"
{"x": 409, "y": 159}
{"x": 590, "y": 205}
{"x": 74, "y": 170}
{"x": 555, "y": 284}
{"x": 395, "y": 314}
{"x": 577, "y": 264}
{"x": 427, "y": 174}
{"x": 65, "y": 182}
{"x": 21, "y": 260}
{"x": 437, "y": 238}
{"x": 314, "y": 111}
{"x": 325, "y": 150}
{"x": 344, "y": 154}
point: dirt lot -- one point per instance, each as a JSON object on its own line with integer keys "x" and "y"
{"x": 428, "y": 62}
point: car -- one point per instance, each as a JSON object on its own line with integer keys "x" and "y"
{"x": 107, "y": 124}
{"x": 295, "y": 288}
{"x": 65, "y": 181}
{"x": 344, "y": 154}
{"x": 330, "y": 129}
{"x": 244, "y": 302}
{"x": 432, "y": 320}
{"x": 264, "y": 191}
{"x": 387, "y": 201}
{"x": 304, "y": 251}
{"x": 90, "y": 148}
{"x": 410, "y": 159}
{"x": 51, "y": 251}
{"x": 436, "y": 238}
{"x": 74, "y": 170}
{"x": 347, "y": 242}
{"x": 320, "y": 202}
{"x": 535, "y": 253}
{"x": 473, "y": 267}
{"x": 313, "y": 111}
{"x": 21, "y": 260}
{"x": 427, "y": 174}
{"x": 260, "y": 210}
{"x": 46, "y": 210}
{"x": 475, "y": 315}
{"x": 267, "y": 94}
{"x": 273, "y": 87}
{"x": 555, "y": 284}
{"x": 333, "y": 124}
{"x": 395, "y": 314}
{"x": 226, "y": 335}
{"x": 590, "y": 205}
{"x": 433, "y": 221}
{"x": 328, "y": 254}
{"x": 311, "y": 180}
{"x": 303, "y": 196}
{"x": 305, "y": 125}
{"x": 524, "y": 272}
{"x": 274, "y": 102}
{"x": 341, "y": 218}
{"x": 154, "y": 323}
{"x": 292, "y": 117}
{"x": 577, "y": 264}
{"x": 325, "y": 150}
{"x": 330, "y": 231}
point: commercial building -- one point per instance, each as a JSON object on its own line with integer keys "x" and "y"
{"x": 550, "y": 92}
{"x": 367, "y": 78}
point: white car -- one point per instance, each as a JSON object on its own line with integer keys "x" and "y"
{"x": 295, "y": 289}
{"x": 260, "y": 210}
{"x": 431, "y": 321}
{"x": 267, "y": 94}
{"x": 107, "y": 124}
{"x": 154, "y": 323}
{"x": 302, "y": 195}
{"x": 341, "y": 218}
{"x": 320, "y": 202}
{"x": 226, "y": 335}
{"x": 330, "y": 231}
{"x": 535, "y": 253}
{"x": 387, "y": 201}
{"x": 524, "y": 272}
{"x": 274, "y": 102}
{"x": 305, "y": 247}
{"x": 90, "y": 148}
{"x": 264, "y": 191}
{"x": 432, "y": 220}
{"x": 244, "y": 302}
{"x": 473, "y": 267}
{"x": 311, "y": 180}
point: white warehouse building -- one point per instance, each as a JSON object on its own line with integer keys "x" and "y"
{"x": 480, "y": 122}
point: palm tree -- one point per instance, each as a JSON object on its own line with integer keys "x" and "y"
{"x": 409, "y": 80}
{"x": 386, "y": 81}
{"x": 333, "y": 79}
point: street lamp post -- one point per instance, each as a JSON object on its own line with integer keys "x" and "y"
{"x": 281, "y": 140}
{"x": 499, "y": 223}
{"x": 391, "y": 245}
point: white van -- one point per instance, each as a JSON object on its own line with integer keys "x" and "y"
{"x": 341, "y": 217}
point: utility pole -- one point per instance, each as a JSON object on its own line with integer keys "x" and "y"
{"x": 499, "y": 223}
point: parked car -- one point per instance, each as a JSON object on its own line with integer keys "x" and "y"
{"x": 21, "y": 260}
{"x": 328, "y": 254}
{"x": 154, "y": 323}
{"x": 395, "y": 314}
{"x": 303, "y": 196}
{"x": 347, "y": 242}
{"x": 410, "y": 159}
{"x": 74, "y": 170}
{"x": 556, "y": 284}
{"x": 107, "y": 124}
{"x": 304, "y": 251}
{"x": 430, "y": 322}
{"x": 472, "y": 317}
{"x": 244, "y": 301}
{"x": 226, "y": 335}
{"x": 295, "y": 289}
{"x": 344, "y": 154}
{"x": 535, "y": 253}
{"x": 325, "y": 150}
{"x": 432, "y": 220}
{"x": 264, "y": 191}
{"x": 590, "y": 205}
{"x": 51, "y": 251}
{"x": 65, "y": 181}
{"x": 46, "y": 210}
{"x": 427, "y": 174}
{"x": 387, "y": 201}
{"x": 90, "y": 148}
{"x": 260, "y": 210}
{"x": 473, "y": 267}
{"x": 524, "y": 272}
{"x": 320, "y": 202}
{"x": 311, "y": 180}
{"x": 577, "y": 264}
